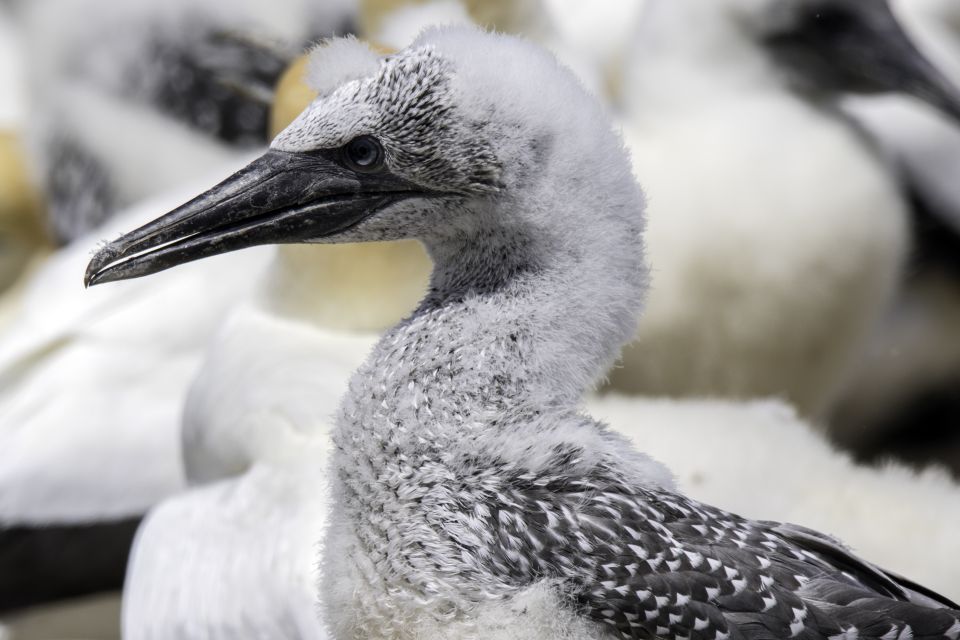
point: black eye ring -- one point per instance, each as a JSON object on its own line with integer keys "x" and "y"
{"x": 363, "y": 154}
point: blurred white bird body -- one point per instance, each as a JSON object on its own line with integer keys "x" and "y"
{"x": 93, "y": 386}
{"x": 256, "y": 439}
{"x": 93, "y": 383}
{"x": 776, "y": 233}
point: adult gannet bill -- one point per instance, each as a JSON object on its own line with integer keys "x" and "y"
{"x": 778, "y": 232}
{"x": 904, "y": 396}
{"x": 470, "y": 497}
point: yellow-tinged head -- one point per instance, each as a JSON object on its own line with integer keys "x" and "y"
{"x": 350, "y": 287}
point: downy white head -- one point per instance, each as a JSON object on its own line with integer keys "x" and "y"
{"x": 508, "y": 182}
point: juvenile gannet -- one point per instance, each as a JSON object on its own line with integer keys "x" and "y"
{"x": 471, "y": 499}
{"x": 778, "y": 231}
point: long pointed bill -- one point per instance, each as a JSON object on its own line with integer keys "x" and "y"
{"x": 859, "y": 46}
{"x": 279, "y": 198}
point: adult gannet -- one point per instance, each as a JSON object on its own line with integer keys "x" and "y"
{"x": 471, "y": 499}
{"x": 778, "y": 231}
{"x": 91, "y": 392}
{"x": 92, "y": 388}
{"x": 904, "y": 397}
{"x": 185, "y": 79}
{"x": 588, "y": 39}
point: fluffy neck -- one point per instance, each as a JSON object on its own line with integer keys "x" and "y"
{"x": 513, "y": 323}
{"x": 363, "y": 287}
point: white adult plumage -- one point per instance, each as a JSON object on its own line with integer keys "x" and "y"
{"x": 92, "y": 392}
{"x": 777, "y": 232}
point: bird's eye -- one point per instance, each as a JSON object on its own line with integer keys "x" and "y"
{"x": 363, "y": 154}
{"x": 833, "y": 20}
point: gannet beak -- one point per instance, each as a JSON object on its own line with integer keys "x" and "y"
{"x": 858, "y": 46}
{"x": 279, "y": 198}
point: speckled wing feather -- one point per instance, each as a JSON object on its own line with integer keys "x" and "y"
{"x": 651, "y": 563}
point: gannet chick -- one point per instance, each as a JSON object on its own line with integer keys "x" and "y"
{"x": 471, "y": 499}
{"x": 771, "y": 271}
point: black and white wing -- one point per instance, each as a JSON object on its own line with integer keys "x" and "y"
{"x": 653, "y": 564}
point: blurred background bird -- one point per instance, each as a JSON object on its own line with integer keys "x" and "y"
{"x": 112, "y": 102}
{"x": 904, "y": 397}
{"x": 783, "y": 241}
{"x": 777, "y": 232}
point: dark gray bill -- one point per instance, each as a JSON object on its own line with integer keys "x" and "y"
{"x": 279, "y": 198}
{"x": 857, "y": 46}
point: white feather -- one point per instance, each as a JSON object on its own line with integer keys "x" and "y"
{"x": 93, "y": 381}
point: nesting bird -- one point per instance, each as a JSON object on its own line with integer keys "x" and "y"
{"x": 778, "y": 232}
{"x": 471, "y": 498}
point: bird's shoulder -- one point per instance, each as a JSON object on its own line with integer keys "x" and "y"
{"x": 650, "y": 562}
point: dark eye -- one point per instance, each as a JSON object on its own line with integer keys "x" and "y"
{"x": 832, "y": 19}
{"x": 363, "y": 154}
